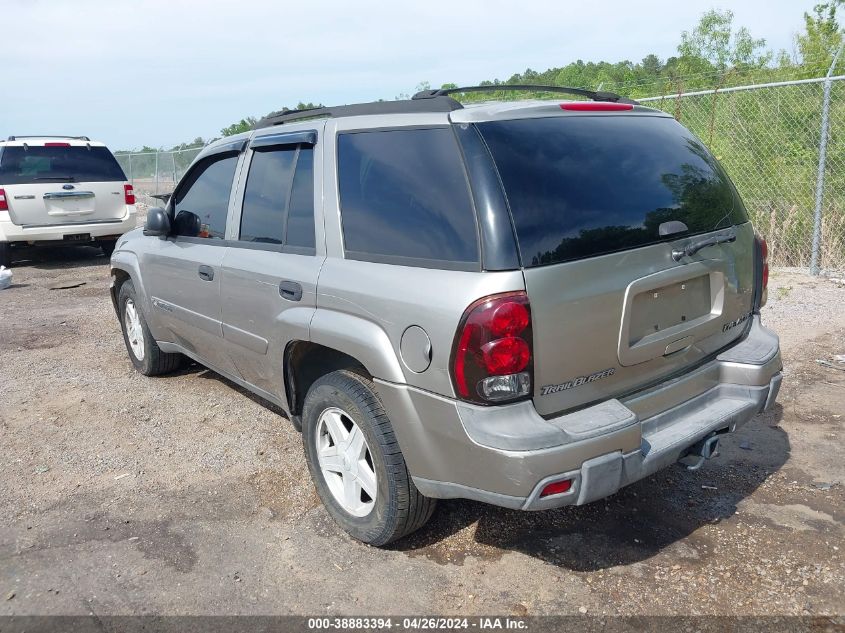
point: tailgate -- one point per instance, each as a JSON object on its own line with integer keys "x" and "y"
{"x": 609, "y": 325}
{"x": 49, "y": 204}
{"x": 600, "y": 201}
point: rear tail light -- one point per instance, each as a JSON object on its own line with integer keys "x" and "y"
{"x": 129, "y": 194}
{"x": 595, "y": 106}
{"x": 4, "y": 206}
{"x": 763, "y": 255}
{"x": 492, "y": 356}
{"x": 56, "y": 144}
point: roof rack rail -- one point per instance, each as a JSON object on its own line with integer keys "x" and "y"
{"x": 594, "y": 95}
{"x": 75, "y": 138}
{"x": 435, "y": 104}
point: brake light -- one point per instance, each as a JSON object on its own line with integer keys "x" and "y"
{"x": 4, "y": 206}
{"x": 129, "y": 194}
{"x": 492, "y": 356}
{"x": 56, "y": 144}
{"x": 595, "y": 106}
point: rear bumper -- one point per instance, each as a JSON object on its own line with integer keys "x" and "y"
{"x": 507, "y": 455}
{"x": 10, "y": 232}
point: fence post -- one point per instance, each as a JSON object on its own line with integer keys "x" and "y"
{"x": 817, "y": 216}
{"x": 156, "y": 169}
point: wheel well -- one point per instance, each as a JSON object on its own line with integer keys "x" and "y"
{"x": 305, "y": 363}
{"x": 120, "y": 278}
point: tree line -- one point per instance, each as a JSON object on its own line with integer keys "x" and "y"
{"x": 715, "y": 53}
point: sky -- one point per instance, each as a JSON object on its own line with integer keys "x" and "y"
{"x": 162, "y": 72}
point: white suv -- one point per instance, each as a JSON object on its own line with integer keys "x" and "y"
{"x": 61, "y": 190}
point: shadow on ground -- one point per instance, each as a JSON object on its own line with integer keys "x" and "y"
{"x": 57, "y": 257}
{"x": 202, "y": 372}
{"x": 633, "y": 525}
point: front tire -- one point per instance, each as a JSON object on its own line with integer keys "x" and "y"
{"x": 355, "y": 461}
{"x": 144, "y": 352}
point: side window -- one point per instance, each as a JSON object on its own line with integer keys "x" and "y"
{"x": 301, "y": 214}
{"x": 278, "y": 206}
{"x": 404, "y": 195}
{"x": 201, "y": 208}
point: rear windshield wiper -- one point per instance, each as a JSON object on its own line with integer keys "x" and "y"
{"x": 693, "y": 247}
{"x": 60, "y": 178}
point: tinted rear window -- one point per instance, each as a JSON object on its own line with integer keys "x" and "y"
{"x": 33, "y": 164}
{"x": 405, "y": 199}
{"x": 587, "y": 185}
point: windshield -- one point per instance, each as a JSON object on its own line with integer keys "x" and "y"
{"x": 589, "y": 185}
{"x": 34, "y": 164}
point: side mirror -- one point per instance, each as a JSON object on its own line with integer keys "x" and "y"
{"x": 158, "y": 223}
{"x": 187, "y": 224}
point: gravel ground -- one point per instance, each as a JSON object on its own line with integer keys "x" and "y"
{"x": 121, "y": 494}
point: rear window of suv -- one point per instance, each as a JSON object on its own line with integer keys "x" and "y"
{"x": 581, "y": 186}
{"x": 34, "y": 164}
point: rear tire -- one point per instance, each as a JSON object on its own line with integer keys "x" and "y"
{"x": 5, "y": 254}
{"x": 107, "y": 246}
{"x": 395, "y": 508}
{"x": 144, "y": 352}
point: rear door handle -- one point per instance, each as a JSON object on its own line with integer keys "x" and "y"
{"x": 206, "y": 273}
{"x": 290, "y": 290}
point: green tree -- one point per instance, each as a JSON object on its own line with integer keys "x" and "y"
{"x": 650, "y": 67}
{"x": 821, "y": 38}
{"x": 244, "y": 125}
{"x": 713, "y": 42}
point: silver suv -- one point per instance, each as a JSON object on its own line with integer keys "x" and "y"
{"x": 530, "y": 304}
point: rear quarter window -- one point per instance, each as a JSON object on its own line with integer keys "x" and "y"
{"x": 34, "y": 164}
{"x": 405, "y": 199}
{"x": 581, "y": 186}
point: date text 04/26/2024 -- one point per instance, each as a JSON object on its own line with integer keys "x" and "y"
{"x": 418, "y": 623}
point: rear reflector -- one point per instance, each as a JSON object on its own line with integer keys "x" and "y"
{"x": 129, "y": 194}
{"x": 4, "y": 206}
{"x": 595, "y": 106}
{"x": 56, "y": 144}
{"x": 556, "y": 488}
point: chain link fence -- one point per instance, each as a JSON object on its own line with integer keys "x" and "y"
{"x": 154, "y": 173}
{"x": 768, "y": 138}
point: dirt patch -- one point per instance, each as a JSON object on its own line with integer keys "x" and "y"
{"x": 184, "y": 494}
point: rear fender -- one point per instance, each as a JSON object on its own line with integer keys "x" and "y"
{"x": 359, "y": 338}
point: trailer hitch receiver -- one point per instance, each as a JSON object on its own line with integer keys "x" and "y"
{"x": 693, "y": 458}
